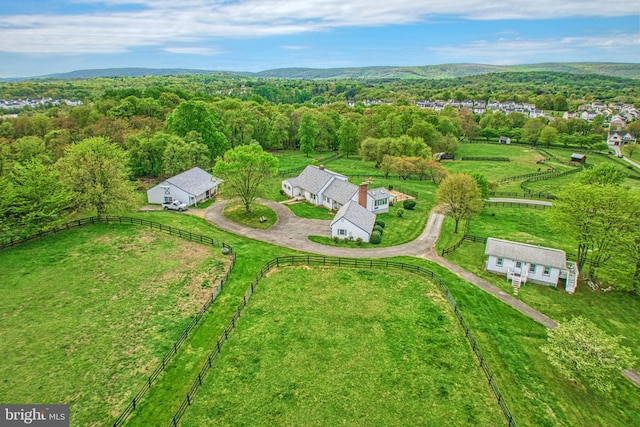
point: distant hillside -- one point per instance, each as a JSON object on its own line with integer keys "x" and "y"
{"x": 444, "y": 71}
{"x": 124, "y": 72}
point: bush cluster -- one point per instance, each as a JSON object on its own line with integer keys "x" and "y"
{"x": 409, "y": 204}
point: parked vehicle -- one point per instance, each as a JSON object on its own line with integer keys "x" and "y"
{"x": 176, "y": 205}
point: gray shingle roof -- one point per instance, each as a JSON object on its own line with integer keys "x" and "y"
{"x": 313, "y": 179}
{"x": 526, "y": 253}
{"x": 379, "y": 193}
{"x": 357, "y": 215}
{"x": 194, "y": 181}
{"x": 340, "y": 191}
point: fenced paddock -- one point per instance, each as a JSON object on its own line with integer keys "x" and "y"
{"x": 320, "y": 261}
{"x": 108, "y": 303}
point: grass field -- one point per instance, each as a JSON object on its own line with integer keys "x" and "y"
{"x": 340, "y": 349}
{"x": 523, "y": 160}
{"x": 307, "y": 210}
{"x": 236, "y": 212}
{"x": 86, "y": 314}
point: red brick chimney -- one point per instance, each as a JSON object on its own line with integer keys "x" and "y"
{"x": 362, "y": 194}
{"x": 321, "y": 167}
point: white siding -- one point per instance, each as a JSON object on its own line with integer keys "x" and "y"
{"x": 351, "y": 230}
{"x": 157, "y": 194}
{"x": 535, "y": 277}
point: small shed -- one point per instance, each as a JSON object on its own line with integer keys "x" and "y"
{"x": 504, "y": 140}
{"x": 578, "y": 158}
{"x": 190, "y": 187}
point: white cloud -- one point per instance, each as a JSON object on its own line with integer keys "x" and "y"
{"x": 516, "y": 51}
{"x": 163, "y": 22}
{"x": 193, "y": 50}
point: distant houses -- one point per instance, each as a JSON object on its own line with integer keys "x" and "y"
{"x": 620, "y": 138}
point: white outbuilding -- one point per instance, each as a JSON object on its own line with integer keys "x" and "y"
{"x": 190, "y": 187}
{"x": 353, "y": 221}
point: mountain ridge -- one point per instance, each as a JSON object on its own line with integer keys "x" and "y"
{"x": 441, "y": 71}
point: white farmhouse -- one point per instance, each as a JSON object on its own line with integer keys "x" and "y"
{"x": 353, "y": 221}
{"x": 322, "y": 187}
{"x": 521, "y": 262}
{"x": 190, "y": 187}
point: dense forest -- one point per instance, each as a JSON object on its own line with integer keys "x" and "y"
{"x": 155, "y": 127}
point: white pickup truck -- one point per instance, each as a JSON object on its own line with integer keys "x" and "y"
{"x": 176, "y": 205}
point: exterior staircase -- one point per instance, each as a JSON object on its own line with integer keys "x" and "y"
{"x": 572, "y": 277}
{"x": 516, "y": 281}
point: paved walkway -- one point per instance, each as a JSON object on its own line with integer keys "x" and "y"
{"x": 291, "y": 231}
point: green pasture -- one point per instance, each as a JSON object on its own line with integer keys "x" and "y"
{"x": 522, "y": 160}
{"x": 88, "y": 313}
{"x": 342, "y": 348}
{"x": 536, "y": 393}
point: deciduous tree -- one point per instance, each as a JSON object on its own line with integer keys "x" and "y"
{"x": 245, "y": 170}
{"x": 582, "y": 352}
{"x": 458, "y": 197}
{"x": 348, "y": 138}
{"x": 308, "y": 132}
{"x": 94, "y": 170}
{"x": 197, "y": 116}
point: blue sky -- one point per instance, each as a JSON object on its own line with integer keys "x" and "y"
{"x": 39, "y": 37}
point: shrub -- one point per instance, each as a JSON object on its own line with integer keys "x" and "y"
{"x": 346, "y": 240}
{"x": 375, "y": 238}
{"x": 400, "y": 213}
{"x": 336, "y": 239}
{"x": 380, "y": 223}
{"x": 390, "y": 187}
{"x": 378, "y": 229}
{"x": 359, "y": 241}
{"x": 409, "y": 204}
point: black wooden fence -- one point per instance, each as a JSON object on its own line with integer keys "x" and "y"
{"x": 516, "y": 205}
{"x": 9, "y": 243}
{"x": 170, "y": 230}
{"x": 297, "y": 170}
{"x": 487, "y": 159}
{"x": 465, "y": 237}
{"x": 522, "y": 194}
{"x": 349, "y": 263}
{"x": 542, "y": 175}
{"x": 174, "y": 349}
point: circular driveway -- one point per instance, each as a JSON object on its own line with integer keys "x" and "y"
{"x": 292, "y": 232}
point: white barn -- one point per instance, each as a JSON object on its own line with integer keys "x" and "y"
{"x": 322, "y": 187}
{"x": 190, "y": 187}
{"x": 353, "y": 221}
{"x": 521, "y": 263}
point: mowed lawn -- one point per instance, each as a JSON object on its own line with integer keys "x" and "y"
{"x": 86, "y": 314}
{"x": 326, "y": 346}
